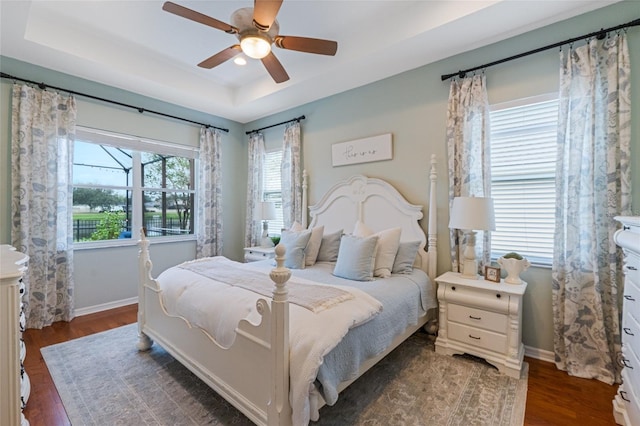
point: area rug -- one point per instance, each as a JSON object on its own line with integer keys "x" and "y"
{"x": 103, "y": 380}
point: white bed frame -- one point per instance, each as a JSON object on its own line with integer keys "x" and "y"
{"x": 253, "y": 374}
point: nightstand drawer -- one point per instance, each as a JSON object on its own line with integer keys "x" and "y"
{"x": 477, "y": 318}
{"x": 494, "y": 300}
{"x": 480, "y": 338}
{"x": 254, "y": 254}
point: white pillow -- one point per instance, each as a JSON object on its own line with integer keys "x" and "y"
{"x": 313, "y": 246}
{"x": 296, "y": 227}
{"x": 388, "y": 243}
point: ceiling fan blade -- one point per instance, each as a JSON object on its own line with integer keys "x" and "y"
{"x": 306, "y": 44}
{"x": 275, "y": 68}
{"x": 176, "y": 9}
{"x": 264, "y": 13}
{"x": 221, "y": 57}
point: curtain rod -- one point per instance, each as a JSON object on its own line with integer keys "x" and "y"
{"x": 44, "y": 86}
{"x": 302, "y": 117}
{"x": 599, "y": 34}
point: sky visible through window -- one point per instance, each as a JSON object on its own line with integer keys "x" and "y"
{"x": 92, "y": 165}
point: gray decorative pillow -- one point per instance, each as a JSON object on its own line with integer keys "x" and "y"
{"x": 405, "y": 257}
{"x": 356, "y": 258}
{"x": 329, "y": 247}
{"x": 294, "y": 244}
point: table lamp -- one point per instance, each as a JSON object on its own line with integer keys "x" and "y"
{"x": 266, "y": 212}
{"x": 471, "y": 214}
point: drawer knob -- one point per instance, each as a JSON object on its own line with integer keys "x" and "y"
{"x": 475, "y": 318}
{"x": 623, "y": 395}
{"x": 628, "y": 331}
{"x": 630, "y": 298}
{"x": 474, "y": 337}
{"x": 453, "y": 288}
{"x": 498, "y": 295}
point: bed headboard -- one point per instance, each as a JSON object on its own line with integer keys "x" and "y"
{"x": 380, "y": 206}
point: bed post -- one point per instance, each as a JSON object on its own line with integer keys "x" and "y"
{"x": 279, "y": 411}
{"x": 432, "y": 231}
{"x": 144, "y": 271}
{"x": 305, "y": 202}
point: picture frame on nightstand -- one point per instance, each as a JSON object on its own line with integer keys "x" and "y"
{"x": 492, "y": 273}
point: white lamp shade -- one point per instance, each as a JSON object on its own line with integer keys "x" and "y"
{"x": 472, "y": 213}
{"x": 267, "y": 210}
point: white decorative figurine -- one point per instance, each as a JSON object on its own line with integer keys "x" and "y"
{"x": 514, "y": 264}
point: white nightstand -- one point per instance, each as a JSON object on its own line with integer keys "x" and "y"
{"x": 481, "y": 318}
{"x": 253, "y": 254}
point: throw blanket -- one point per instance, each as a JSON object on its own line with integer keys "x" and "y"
{"x": 217, "y": 307}
{"x": 316, "y": 297}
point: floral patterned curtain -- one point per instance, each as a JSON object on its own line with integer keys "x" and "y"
{"x": 42, "y": 133}
{"x": 209, "y": 232}
{"x": 593, "y": 186}
{"x": 468, "y": 154}
{"x": 255, "y": 185}
{"x": 291, "y": 176}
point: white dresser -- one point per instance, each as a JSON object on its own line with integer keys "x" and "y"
{"x": 14, "y": 381}
{"x": 626, "y": 404}
{"x": 481, "y": 318}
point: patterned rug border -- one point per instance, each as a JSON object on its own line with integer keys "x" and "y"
{"x": 170, "y": 394}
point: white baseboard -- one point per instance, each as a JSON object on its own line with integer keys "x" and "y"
{"x": 538, "y": 353}
{"x": 105, "y": 306}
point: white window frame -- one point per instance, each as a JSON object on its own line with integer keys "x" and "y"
{"x": 137, "y": 145}
{"x": 272, "y": 176}
{"x": 529, "y": 238}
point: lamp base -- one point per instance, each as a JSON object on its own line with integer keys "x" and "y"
{"x": 469, "y": 262}
{"x": 265, "y": 241}
{"x": 470, "y": 269}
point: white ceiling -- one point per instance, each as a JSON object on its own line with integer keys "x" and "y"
{"x": 136, "y": 46}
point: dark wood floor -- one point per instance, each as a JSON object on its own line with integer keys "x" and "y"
{"x": 553, "y": 398}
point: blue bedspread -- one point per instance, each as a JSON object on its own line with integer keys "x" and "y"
{"x": 405, "y": 298}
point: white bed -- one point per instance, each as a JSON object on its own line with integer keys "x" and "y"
{"x": 254, "y": 370}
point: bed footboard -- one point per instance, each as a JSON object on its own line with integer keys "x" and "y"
{"x": 253, "y": 373}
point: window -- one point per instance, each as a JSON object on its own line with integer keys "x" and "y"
{"x": 523, "y": 162}
{"x": 121, "y": 183}
{"x": 273, "y": 188}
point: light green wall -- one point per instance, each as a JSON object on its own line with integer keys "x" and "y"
{"x": 106, "y": 275}
{"x": 411, "y": 106}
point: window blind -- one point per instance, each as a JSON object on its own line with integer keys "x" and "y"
{"x": 523, "y": 162}
{"x": 273, "y": 188}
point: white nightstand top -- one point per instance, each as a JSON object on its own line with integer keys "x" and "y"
{"x": 456, "y": 278}
{"x": 260, "y": 249}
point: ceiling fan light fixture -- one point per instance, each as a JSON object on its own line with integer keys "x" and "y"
{"x": 239, "y": 60}
{"x": 255, "y": 47}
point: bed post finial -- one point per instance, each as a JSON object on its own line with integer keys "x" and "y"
{"x": 279, "y": 411}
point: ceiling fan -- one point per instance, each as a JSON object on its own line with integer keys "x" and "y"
{"x": 257, "y": 29}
